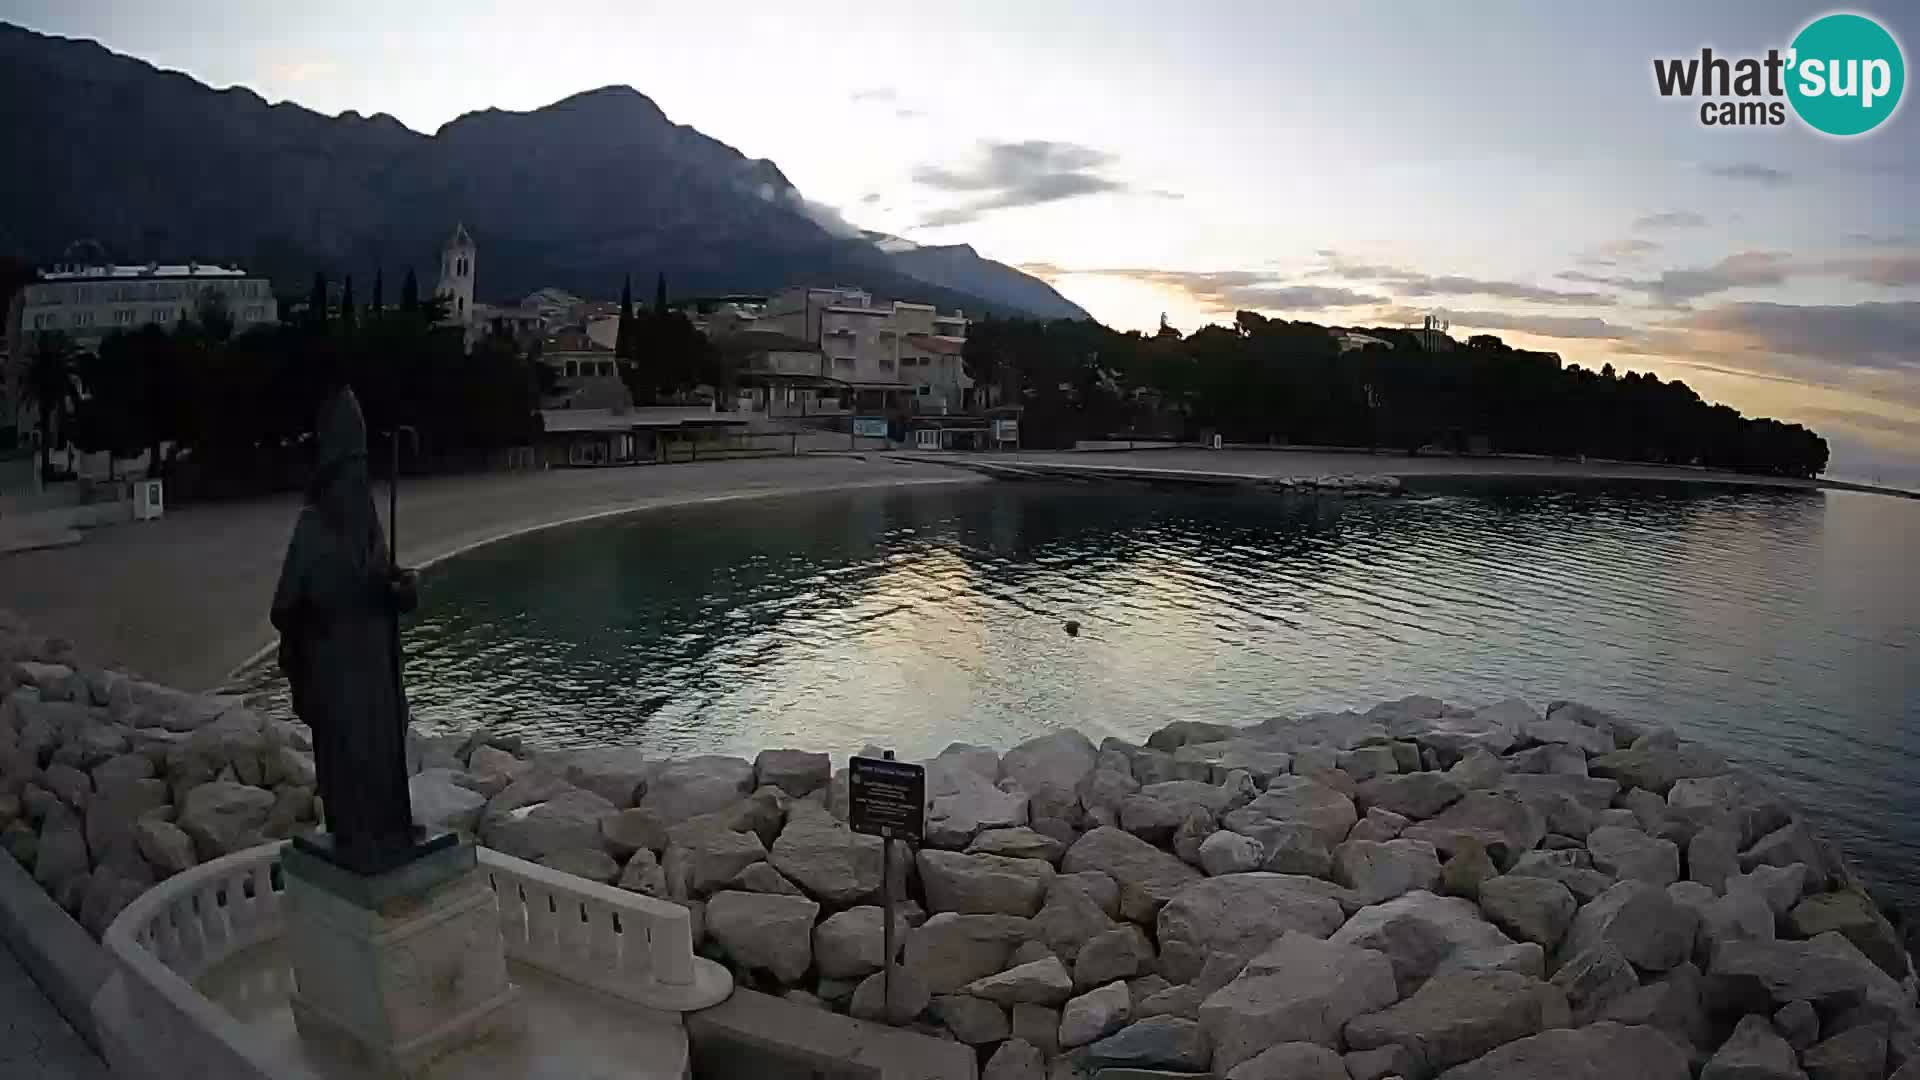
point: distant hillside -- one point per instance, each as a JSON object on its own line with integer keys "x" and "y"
{"x": 155, "y": 165}
{"x": 959, "y": 267}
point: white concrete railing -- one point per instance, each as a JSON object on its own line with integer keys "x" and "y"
{"x": 633, "y": 947}
{"x": 154, "y": 1023}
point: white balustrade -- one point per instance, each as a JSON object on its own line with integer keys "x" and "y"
{"x": 633, "y": 947}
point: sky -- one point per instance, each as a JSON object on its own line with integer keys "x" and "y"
{"x": 1508, "y": 166}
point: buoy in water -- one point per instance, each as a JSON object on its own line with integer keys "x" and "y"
{"x": 1073, "y": 628}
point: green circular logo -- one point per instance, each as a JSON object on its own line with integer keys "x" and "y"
{"x": 1846, "y": 74}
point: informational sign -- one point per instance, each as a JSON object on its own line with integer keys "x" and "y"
{"x": 1006, "y": 430}
{"x": 887, "y": 798}
{"x": 870, "y": 427}
{"x": 149, "y": 500}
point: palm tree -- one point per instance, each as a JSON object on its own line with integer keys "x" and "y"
{"x": 54, "y": 385}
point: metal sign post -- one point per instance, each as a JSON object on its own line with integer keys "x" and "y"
{"x": 888, "y": 799}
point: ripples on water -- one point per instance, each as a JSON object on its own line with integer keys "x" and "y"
{"x": 1781, "y": 626}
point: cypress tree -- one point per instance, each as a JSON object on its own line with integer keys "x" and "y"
{"x": 346, "y": 305}
{"x": 410, "y": 292}
{"x": 317, "y": 302}
{"x": 623, "y": 337}
{"x": 373, "y": 307}
{"x": 660, "y": 294}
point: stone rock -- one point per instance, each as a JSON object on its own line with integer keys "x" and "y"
{"x": 115, "y": 807}
{"x": 831, "y": 862}
{"x": 222, "y": 818}
{"x": 1036, "y": 1024}
{"x": 1291, "y": 1061}
{"x": 1529, "y": 908}
{"x": 1632, "y": 854}
{"x": 949, "y": 950}
{"x": 1380, "y": 1063}
{"x": 164, "y": 845}
{"x": 1078, "y": 908}
{"x": 1260, "y": 759}
{"x": 983, "y": 884}
{"x": 766, "y": 932}
{"x": 1095, "y": 1015}
{"x": 1415, "y": 795}
{"x": 1182, "y": 1001}
{"x": 972, "y": 1020}
{"x": 703, "y": 857}
{"x": 1016, "y": 1059}
{"x": 61, "y": 852}
{"x": 1468, "y": 869}
{"x": 1018, "y": 842}
{"x": 909, "y": 992}
{"x": 796, "y": 772}
{"x": 569, "y": 820}
{"x": 1295, "y": 801}
{"x": 1049, "y": 769}
{"x": 1215, "y": 799}
{"x": 1300, "y": 989}
{"x": 763, "y": 878}
{"x": 1553, "y": 759}
{"x": 123, "y": 767}
{"x": 1657, "y": 769}
{"x": 1827, "y": 972}
{"x": 22, "y": 843}
{"x": 1502, "y": 823}
{"x": 1238, "y": 915}
{"x": 1297, "y": 848}
{"x": 1159, "y": 1042}
{"x": 679, "y": 790}
{"x": 1417, "y": 931}
{"x": 1104, "y": 793}
{"x": 1382, "y": 871}
{"x": 644, "y": 875}
{"x": 851, "y": 944}
{"x": 1737, "y": 916}
{"x": 1226, "y": 852}
{"x": 1043, "y": 982}
{"x": 107, "y": 894}
{"x": 1713, "y": 856}
{"x": 1646, "y": 925}
{"x": 1604, "y": 1051}
{"x": 1593, "y": 978}
{"x": 74, "y": 787}
{"x": 1754, "y": 1052}
{"x": 1673, "y": 1004}
{"x": 441, "y": 804}
{"x": 1798, "y": 1024}
{"x": 1780, "y": 886}
{"x": 1572, "y": 868}
{"x": 1147, "y": 876}
{"x": 1456, "y": 1018}
{"x": 1378, "y": 826}
{"x": 1738, "y": 800}
{"x": 492, "y": 770}
{"x": 1183, "y": 732}
{"x": 963, "y": 799}
{"x": 536, "y": 786}
{"x": 1120, "y": 953}
{"x": 590, "y": 863}
{"x": 628, "y": 831}
{"x": 1365, "y": 763}
{"x": 1521, "y": 958}
{"x": 1563, "y": 730}
{"x": 1849, "y": 911}
{"x": 1152, "y": 820}
{"x": 1856, "y": 1054}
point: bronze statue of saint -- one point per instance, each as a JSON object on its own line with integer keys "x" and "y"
{"x": 337, "y": 608}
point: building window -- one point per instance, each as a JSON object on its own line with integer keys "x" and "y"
{"x": 843, "y": 362}
{"x": 123, "y": 317}
{"x": 462, "y": 304}
{"x": 573, "y": 369}
{"x": 886, "y": 363}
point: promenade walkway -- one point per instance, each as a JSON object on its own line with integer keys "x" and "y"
{"x": 35, "y": 1042}
{"x": 183, "y": 600}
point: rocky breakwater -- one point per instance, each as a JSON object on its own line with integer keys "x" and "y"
{"x": 1418, "y": 890}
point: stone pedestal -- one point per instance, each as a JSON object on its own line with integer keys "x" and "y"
{"x": 396, "y": 970}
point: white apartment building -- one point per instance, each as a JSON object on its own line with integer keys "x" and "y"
{"x": 902, "y": 357}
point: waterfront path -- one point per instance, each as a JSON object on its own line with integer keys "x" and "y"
{"x": 183, "y": 600}
{"x": 35, "y": 1041}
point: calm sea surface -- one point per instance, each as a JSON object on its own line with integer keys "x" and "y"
{"x": 1784, "y": 627}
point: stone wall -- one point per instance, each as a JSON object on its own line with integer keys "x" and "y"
{"x": 1412, "y": 891}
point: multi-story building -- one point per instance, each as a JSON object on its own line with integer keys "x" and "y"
{"x": 898, "y": 358}
{"x": 87, "y": 303}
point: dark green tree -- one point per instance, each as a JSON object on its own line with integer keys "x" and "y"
{"x": 623, "y": 334}
{"x": 53, "y": 385}
{"x": 373, "y": 304}
{"x": 660, "y": 293}
{"x": 348, "y": 319}
{"x": 409, "y": 292}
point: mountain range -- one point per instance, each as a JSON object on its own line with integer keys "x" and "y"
{"x": 153, "y": 165}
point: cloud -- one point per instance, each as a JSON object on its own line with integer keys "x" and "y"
{"x": 870, "y": 197}
{"x": 908, "y": 114}
{"x": 299, "y": 71}
{"x": 1742, "y": 270}
{"x": 827, "y": 217}
{"x": 1876, "y": 335}
{"x": 1005, "y": 175}
{"x": 1227, "y": 290}
{"x": 1753, "y": 172}
{"x": 1415, "y": 284}
{"x": 1558, "y": 326}
{"x": 1671, "y": 219}
{"x": 1614, "y": 252}
{"x": 1893, "y": 271}
{"x": 882, "y": 95}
